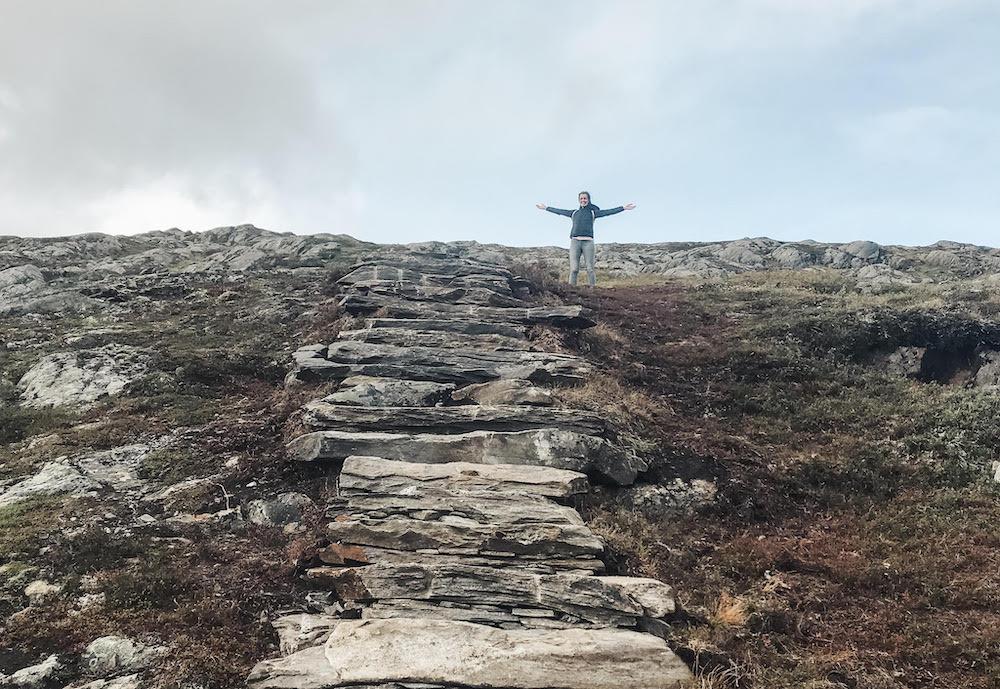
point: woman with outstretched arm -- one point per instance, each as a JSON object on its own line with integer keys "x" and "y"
{"x": 581, "y": 237}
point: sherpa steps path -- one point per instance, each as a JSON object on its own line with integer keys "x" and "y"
{"x": 455, "y": 558}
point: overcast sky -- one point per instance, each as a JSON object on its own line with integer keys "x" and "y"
{"x": 407, "y": 120}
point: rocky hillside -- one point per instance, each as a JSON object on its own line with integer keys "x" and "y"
{"x": 245, "y": 456}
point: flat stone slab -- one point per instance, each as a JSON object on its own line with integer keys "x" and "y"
{"x": 406, "y": 266}
{"x": 451, "y": 294}
{"x": 443, "y": 652}
{"x": 549, "y": 447}
{"x": 461, "y": 366}
{"x": 403, "y": 337}
{"x": 392, "y": 307}
{"x": 375, "y": 475}
{"x": 604, "y": 601}
{"x": 466, "y": 327}
{"x": 389, "y": 392}
{"x": 321, "y": 414}
{"x": 483, "y": 523}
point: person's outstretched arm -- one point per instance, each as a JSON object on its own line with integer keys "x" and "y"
{"x": 557, "y": 211}
{"x": 612, "y": 211}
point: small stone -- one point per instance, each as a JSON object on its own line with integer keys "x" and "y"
{"x": 286, "y": 508}
{"x": 112, "y": 655}
{"x": 40, "y": 591}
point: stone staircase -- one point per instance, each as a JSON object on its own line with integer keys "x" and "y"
{"x": 455, "y": 556}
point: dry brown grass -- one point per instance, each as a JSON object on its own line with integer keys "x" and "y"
{"x": 730, "y": 610}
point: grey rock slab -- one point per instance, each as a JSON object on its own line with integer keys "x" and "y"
{"x": 82, "y": 377}
{"x": 315, "y": 369}
{"x": 455, "y": 365}
{"x": 390, "y": 392}
{"x": 459, "y": 507}
{"x": 655, "y": 597}
{"x": 114, "y": 655}
{"x": 608, "y": 601}
{"x": 482, "y": 296}
{"x": 541, "y": 564}
{"x": 505, "y": 391}
{"x": 399, "y": 266}
{"x": 387, "y": 306}
{"x": 403, "y": 337}
{"x": 549, "y": 447}
{"x": 54, "y": 478}
{"x": 465, "y": 327}
{"x": 303, "y": 630}
{"x": 471, "y": 655}
{"x": 474, "y": 522}
{"x": 39, "y": 676}
{"x": 375, "y": 475}
{"x": 988, "y": 373}
{"x": 369, "y": 275}
{"x": 82, "y": 475}
{"x": 321, "y": 415}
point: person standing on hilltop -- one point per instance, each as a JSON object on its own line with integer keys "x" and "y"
{"x": 581, "y": 237}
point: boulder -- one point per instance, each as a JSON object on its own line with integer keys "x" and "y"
{"x": 470, "y": 655}
{"x": 988, "y": 373}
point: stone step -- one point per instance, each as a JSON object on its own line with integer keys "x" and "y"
{"x": 455, "y": 294}
{"x": 548, "y": 447}
{"x": 402, "y": 337}
{"x": 355, "y": 555}
{"x": 477, "y": 523}
{"x": 320, "y": 415}
{"x": 397, "y": 267}
{"x": 452, "y": 653}
{"x": 378, "y": 476}
{"x": 460, "y": 366}
{"x": 465, "y": 327}
{"x": 570, "y": 598}
{"x": 391, "y": 307}
{"x": 389, "y": 392}
{"x": 382, "y": 274}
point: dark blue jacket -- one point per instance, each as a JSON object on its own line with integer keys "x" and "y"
{"x": 584, "y": 217}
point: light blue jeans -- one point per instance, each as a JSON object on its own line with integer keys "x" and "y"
{"x": 586, "y": 248}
